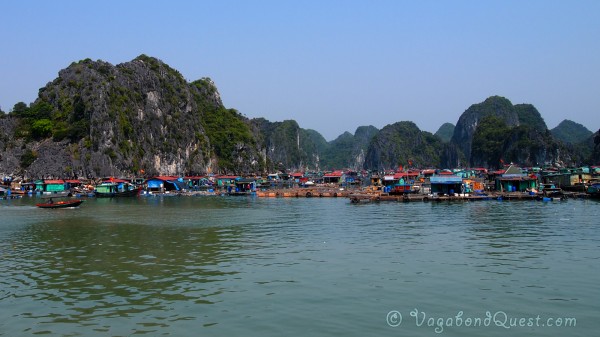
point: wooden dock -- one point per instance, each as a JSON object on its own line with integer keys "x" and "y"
{"x": 364, "y": 197}
{"x": 358, "y": 196}
{"x": 313, "y": 192}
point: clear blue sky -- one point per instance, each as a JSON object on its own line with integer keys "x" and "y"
{"x": 330, "y": 65}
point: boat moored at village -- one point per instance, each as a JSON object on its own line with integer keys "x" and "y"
{"x": 593, "y": 190}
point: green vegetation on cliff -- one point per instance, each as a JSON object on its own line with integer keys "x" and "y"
{"x": 349, "y": 150}
{"x": 571, "y": 132}
{"x": 495, "y": 143}
{"x": 142, "y": 117}
{"x": 488, "y": 141}
{"x": 530, "y": 116}
{"x": 403, "y": 144}
{"x": 445, "y": 132}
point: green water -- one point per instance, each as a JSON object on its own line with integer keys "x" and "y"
{"x": 226, "y": 266}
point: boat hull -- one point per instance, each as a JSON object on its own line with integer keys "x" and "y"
{"x": 594, "y": 191}
{"x": 60, "y": 204}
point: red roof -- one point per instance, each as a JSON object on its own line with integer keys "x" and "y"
{"x": 114, "y": 180}
{"x": 447, "y": 173}
{"x": 73, "y": 181}
{"x": 297, "y": 174}
{"x": 405, "y": 174}
{"x": 334, "y": 174}
{"x": 499, "y": 172}
{"x": 164, "y": 178}
{"x": 226, "y": 177}
{"x": 54, "y": 181}
{"x": 429, "y": 171}
{"x": 194, "y": 177}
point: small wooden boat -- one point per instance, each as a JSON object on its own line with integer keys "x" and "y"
{"x": 60, "y": 204}
{"x": 593, "y": 190}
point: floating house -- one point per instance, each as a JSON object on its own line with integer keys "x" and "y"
{"x": 514, "y": 180}
{"x": 225, "y": 180}
{"x": 472, "y": 185}
{"x": 197, "y": 182}
{"x": 243, "y": 186}
{"x": 427, "y": 173}
{"x": 376, "y": 180}
{"x": 72, "y": 183}
{"x": 163, "y": 184}
{"x": 572, "y": 180}
{"x": 334, "y": 177}
{"x": 297, "y": 176}
{"x": 111, "y": 187}
{"x": 446, "y": 184}
{"x": 50, "y": 186}
{"x": 400, "y": 182}
{"x": 352, "y": 178}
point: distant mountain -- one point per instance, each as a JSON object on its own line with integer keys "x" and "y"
{"x": 143, "y": 118}
{"x": 468, "y": 121}
{"x": 495, "y": 142}
{"x": 348, "y": 150}
{"x": 287, "y": 146}
{"x": 530, "y": 116}
{"x": 497, "y": 131}
{"x": 403, "y": 143}
{"x": 595, "y": 157}
{"x": 571, "y": 132}
{"x": 445, "y": 132}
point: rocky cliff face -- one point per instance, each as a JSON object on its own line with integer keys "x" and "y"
{"x": 517, "y": 133}
{"x": 468, "y": 121}
{"x": 10, "y": 151}
{"x": 139, "y": 117}
{"x": 143, "y": 118}
{"x": 287, "y": 146}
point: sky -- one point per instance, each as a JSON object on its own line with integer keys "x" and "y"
{"x": 330, "y": 65}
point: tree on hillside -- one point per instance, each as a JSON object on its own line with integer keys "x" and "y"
{"x": 20, "y": 109}
{"x": 488, "y": 141}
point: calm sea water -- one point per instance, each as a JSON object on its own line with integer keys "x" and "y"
{"x": 225, "y": 266}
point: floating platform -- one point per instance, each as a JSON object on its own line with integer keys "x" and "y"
{"x": 369, "y": 197}
{"x": 303, "y": 193}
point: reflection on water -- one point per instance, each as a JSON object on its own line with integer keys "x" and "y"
{"x": 233, "y": 266}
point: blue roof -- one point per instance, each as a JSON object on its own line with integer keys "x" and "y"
{"x": 445, "y": 180}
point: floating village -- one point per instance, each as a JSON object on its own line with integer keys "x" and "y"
{"x": 402, "y": 185}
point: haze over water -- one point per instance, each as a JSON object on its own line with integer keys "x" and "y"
{"x": 226, "y": 266}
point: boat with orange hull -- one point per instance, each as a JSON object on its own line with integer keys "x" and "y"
{"x": 60, "y": 204}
